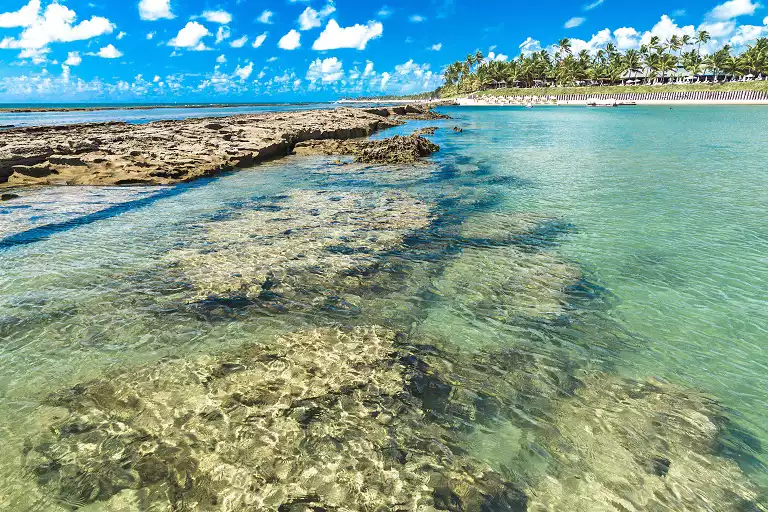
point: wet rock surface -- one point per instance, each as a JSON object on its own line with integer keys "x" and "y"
{"x": 167, "y": 152}
{"x": 394, "y": 150}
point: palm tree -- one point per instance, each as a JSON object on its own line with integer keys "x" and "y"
{"x": 702, "y": 37}
{"x": 667, "y": 62}
{"x": 479, "y": 56}
{"x": 564, "y": 46}
{"x": 631, "y": 62}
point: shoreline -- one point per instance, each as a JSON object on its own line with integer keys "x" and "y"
{"x": 177, "y": 151}
{"x": 463, "y": 102}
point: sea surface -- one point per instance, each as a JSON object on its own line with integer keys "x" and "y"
{"x": 563, "y": 309}
{"x": 62, "y": 113}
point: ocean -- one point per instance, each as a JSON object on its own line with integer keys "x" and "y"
{"x": 563, "y": 309}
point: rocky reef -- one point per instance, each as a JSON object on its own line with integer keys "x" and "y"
{"x": 317, "y": 420}
{"x": 393, "y": 150}
{"x": 167, "y": 152}
{"x": 304, "y": 249}
{"x": 363, "y": 418}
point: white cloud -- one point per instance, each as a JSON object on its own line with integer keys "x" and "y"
{"x": 109, "y": 52}
{"x": 290, "y": 41}
{"x": 385, "y": 80}
{"x": 416, "y": 18}
{"x": 151, "y": 36}
{"x": 747, "y": 34}
{"x": 57, "y": 24}
{"x": 529, "y": 46}
{"x": 626, "y": 38}
{"x": 596, "y": 3}
{"x": 221, "y": 17}
{"x": 259, "y": 40}
{"x": 152, "y": 10}
{"x": 266, "y": 17}
{"x": 311, "y": 18}
{"x": 190, "y": 37}
{"x": 73, "y": 59}
{"x": 384, "y": 12}
{"x": 24, "y": 17}
{"x": 436, "y": 47}
{"x": 121, "y": 35}
{"x": 719, "y": 29}
{"x": 666, "y": 28}
{"x": 368, "y": 69}
{"x": 244, "y": 72}
{"x": 574, "y": 22}
{"x": 221, "y": 59}
{"x": 598, "y": 41}
{"x": 356, "y": 36}
{"x": 327, "y": 70}
{"x": 498, "y": 57}
{"x": 36, "y": 55}
{"x": 239, "y": 42}
{"x": 765, "y": 21}
{"x": 733, "y": 9}
{"x": 222, "y": 33}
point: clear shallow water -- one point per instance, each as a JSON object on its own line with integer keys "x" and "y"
{"x": 537, "y": 271}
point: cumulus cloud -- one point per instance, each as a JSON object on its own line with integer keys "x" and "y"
{"x": 384, "y": 12}
{"x": 356, "y": 36}
{"x": 574, "y": 22}
{"x": 326, "y": 71}
{"x": 36, "y": 55}
{"x": 416, "y": 18}
{"x": 385, "y": 80}
{"x": 290, "y": 41}
{"x": 266, "y": 17}
{"x": 311, "y": 18}
{"x": 436, "y": 47}
{"x": 24, "y": 17}
{"x": 190, "y": 37}
{"x": 56, "y": 24}
{"x": 626, "y": 38}
{"x": 243, "y": 72}
{"x": 109, "y": 52}
{"x": 530, "y": 45}
{"x": 221, "y": 59}
{"x": 152, "y": 10}
{"x": 259, "y": 40}
{"x": 221, "y": 17}
{"x": 498, "y": 57}
{"x": 73, "y": 59}
{"x": 733, "y": 9}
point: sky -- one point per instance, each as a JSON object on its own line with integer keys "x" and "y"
{"x": 312, "y": 50}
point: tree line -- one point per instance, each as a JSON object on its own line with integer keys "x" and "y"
{"x": 657, "y": 61}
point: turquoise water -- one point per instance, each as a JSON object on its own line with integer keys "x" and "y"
{"x": 550, "y": 271}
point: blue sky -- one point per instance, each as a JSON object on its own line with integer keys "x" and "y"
{"x": 280, "y": 50}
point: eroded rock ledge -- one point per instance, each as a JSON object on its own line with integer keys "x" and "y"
{"x": 394, "y": 150}
{"x": 168, "y": 152}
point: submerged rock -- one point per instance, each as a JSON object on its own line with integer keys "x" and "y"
{"x": 505, "y": 282}
{"x": 302, "y": 249}
{"x": 394, "y": 150}
{"x": 317, "y": 420}
{"x": 625, "y": 445}
{"x": 8, "y": 197}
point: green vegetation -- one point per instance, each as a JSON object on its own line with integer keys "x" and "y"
{"x": 654, "y": 63}
{"x": 615, "y": 89}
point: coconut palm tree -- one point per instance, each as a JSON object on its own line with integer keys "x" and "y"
{"x": 667, "y": 62}
{"x": 631, "y": 62}
{"x": 702, "y": 37}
